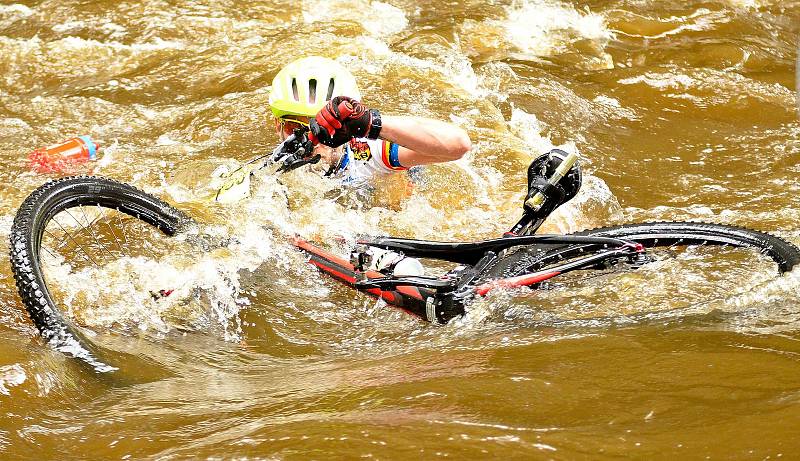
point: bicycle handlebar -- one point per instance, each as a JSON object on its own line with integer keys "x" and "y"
{"x": 292, "y": 153}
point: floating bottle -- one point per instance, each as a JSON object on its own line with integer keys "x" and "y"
{"x": 58, "y": 157}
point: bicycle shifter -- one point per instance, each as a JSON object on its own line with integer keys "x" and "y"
{"x": 295, "y": 151}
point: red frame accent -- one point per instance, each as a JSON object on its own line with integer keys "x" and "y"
{"x": 519, "y": 281}
{"x": 388, "y": 296}
{"x": 323, "y": 255}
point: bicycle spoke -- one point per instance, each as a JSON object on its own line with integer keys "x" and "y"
{"x": 96, "y": 219}
{"x": 110, "y": 228}
{"x": 56, "y": 239}
{"x": 50, "y": 252}
{"x": 122, "y": 228}
{"x": 89, "y": 257}
{"x": 90, "y": 230}
{"x": 146, "y": 247}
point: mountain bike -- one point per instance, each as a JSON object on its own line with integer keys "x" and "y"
{"x": 71, "y": 225}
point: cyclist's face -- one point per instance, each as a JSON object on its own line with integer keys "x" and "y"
{"x": 286, "y": 125}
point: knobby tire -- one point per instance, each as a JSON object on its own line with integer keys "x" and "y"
{"x": 29, "y": 225}
{"x": 522, "y": 260}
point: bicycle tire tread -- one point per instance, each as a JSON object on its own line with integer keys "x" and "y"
{"x": 785, "y": 254}
{"x": 32, "y": 214}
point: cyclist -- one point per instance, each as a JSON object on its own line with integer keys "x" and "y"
{"x": 357, "y": 142}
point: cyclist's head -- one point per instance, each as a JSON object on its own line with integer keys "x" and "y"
{"x": 303, "y": 87}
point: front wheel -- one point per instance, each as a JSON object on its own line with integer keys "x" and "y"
{"x": 74, "y": 235}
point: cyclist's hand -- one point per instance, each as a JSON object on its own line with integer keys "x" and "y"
{"x": 342, "y": 119}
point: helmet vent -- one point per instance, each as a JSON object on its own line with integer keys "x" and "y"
{"x": 330, "y": 90}
{"x": 294, "y": 90}
{"x": 312, "y": 90}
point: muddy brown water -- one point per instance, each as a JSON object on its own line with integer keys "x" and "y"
{"x": 680, "y": 110}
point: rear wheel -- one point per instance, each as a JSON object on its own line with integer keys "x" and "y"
{"x": 685, "y": 263}
{"x": 84, "y": 229}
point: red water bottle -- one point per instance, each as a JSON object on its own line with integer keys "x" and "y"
{"x": 58, "y": 157}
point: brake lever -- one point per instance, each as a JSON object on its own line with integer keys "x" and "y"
{"x": 284, "y": 149}
{"x": 295, "y": 151}
{"x": 293, "y": 162}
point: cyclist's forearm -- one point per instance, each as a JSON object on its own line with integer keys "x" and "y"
{"x": 425, "y": 140}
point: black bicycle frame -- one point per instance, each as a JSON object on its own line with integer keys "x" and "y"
{"x": 440, "y": 299}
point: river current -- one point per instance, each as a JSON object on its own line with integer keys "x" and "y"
{"x": 680, "y": 110}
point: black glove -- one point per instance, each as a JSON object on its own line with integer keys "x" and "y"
{"x": 342, "y": 119}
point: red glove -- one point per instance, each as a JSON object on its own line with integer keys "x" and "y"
{"x": 342, "y": 119}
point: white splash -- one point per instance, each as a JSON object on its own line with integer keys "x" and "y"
{"x": 165, "y": 140}
{"x": 528, "y": 128}
{"x": 453, "y": 68}
{"x": 77, "y": 43}
{"x": 68, "y": 26}
{"x": 747, "y": 4}
{"x": 47, "y": 381}
{"x": 72, "y": 43}
{"x": 11, "y": 376}
{"x": 661, "y": 80}
{"x": 16, "y": 9}
{"x": 594, "y": 205}
{"x": 542, "y": 28}
{"x": 379, "y": 19}
{"x": 5, "y": 225}
{"x": 615, "y": 108}
{"x": 538, "y": 26}
{"x": 107, "y": 157}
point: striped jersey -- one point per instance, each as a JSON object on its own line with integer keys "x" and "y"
{"x": 363, "y": 159}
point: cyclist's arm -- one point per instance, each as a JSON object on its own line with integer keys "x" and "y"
{"x": 422, "y": 141}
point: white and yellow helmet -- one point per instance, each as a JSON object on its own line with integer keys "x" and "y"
{"x": 305, "y": 85}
